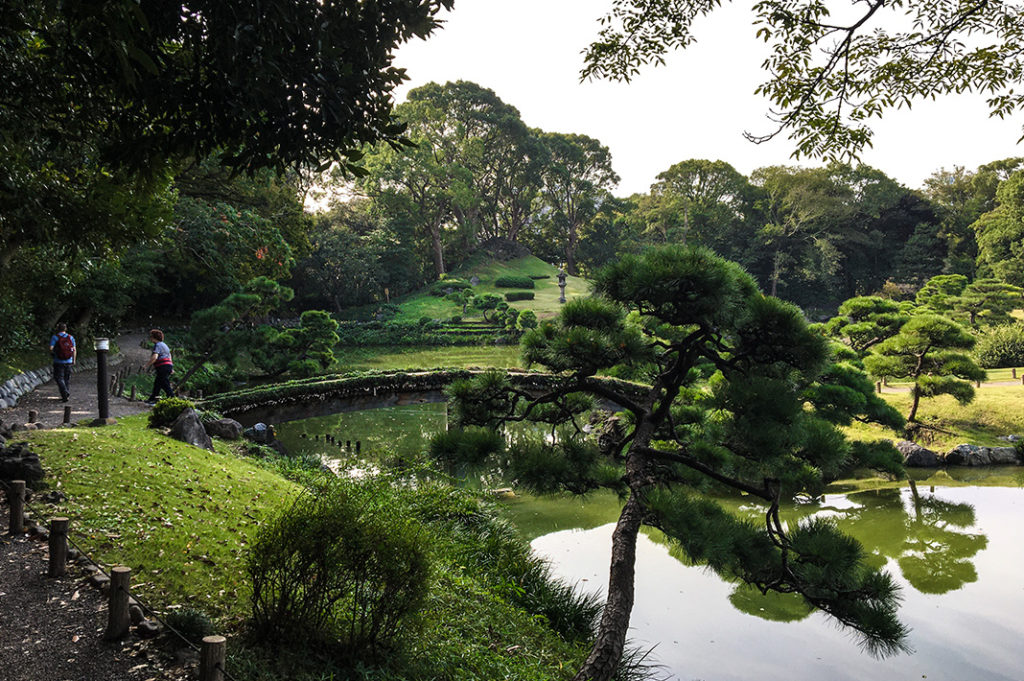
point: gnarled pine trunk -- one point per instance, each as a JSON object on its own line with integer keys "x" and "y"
{"x": 611, "y": 636}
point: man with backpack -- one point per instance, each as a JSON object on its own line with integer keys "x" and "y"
{"x": 64, "y": 351}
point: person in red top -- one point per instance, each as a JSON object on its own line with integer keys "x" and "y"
{"x": 162, "y": 364}
{"x": 64, "y": 351}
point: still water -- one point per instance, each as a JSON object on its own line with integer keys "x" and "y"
{"x": 958, "y": 553}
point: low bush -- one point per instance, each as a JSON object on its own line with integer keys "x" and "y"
{"x": 340, "y": 571}
{"x": 536, "y": 277}
{"x": 1002, "y": 346}
{"x": 166, "y": 411}
{"x": 191, "y": 623}
{"x": 513, "y": 296}
{"x": 513, "y": 281}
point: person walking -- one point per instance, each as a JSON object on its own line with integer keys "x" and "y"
{"x": 64, "y": 351}
{"x": 162, "y": 364}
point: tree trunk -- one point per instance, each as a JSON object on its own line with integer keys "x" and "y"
{"x": 776, "y": 262}
{"x": 604, "y": 658}
{"x": 435, "y": 242}
{"x": 570, "y": 251}
{"x": 913, "y": 407}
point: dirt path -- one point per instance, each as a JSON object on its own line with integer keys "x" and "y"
{"x": 46, "y": 399}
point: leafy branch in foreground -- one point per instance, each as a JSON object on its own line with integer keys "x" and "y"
{"x": 831, "y": 68}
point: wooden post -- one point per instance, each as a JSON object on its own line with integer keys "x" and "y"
{"x": 211, "y": 658}
{"x": 348, "y": 445}
{"x": 878, "y": 386}
{"x": 32, "y": 415}
{"x": 359, "y": 445}
{"x": 1014, "y": 370}
{"x": 16, "y": 500}
{"x": 132, "y": 394}
{"x": 58, "y": 546}
{"x": 118, "y": 620}
{"x": 67, "y": 415}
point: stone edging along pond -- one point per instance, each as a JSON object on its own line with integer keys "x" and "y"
{"x": 916, "y": 456}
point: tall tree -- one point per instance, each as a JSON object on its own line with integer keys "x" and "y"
{"x": 742, "y": 396}
{"x": 577, "y": 177}
{"x": 832, "y": 67}
{"x": 1000, "y": 234}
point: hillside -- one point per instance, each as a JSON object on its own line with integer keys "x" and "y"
{"x": 545, "y": 303}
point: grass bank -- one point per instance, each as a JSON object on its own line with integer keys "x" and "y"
{"x": 997, "y": 411}
{"x": 183, "y": 519}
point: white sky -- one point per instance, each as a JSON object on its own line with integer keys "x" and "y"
{"x": 529, "y": 53}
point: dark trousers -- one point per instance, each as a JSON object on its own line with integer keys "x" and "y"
{"x": 62, "y": 377}
{"x": 162, "y": 381}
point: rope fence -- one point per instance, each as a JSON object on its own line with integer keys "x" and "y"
{"x": 121, "y": 602}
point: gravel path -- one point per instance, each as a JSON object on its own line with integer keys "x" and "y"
{"x": 46, "y": 399}
{"x": 52, "y": 629}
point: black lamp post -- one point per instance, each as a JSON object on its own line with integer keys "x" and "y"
{"x": 102, "y": 346}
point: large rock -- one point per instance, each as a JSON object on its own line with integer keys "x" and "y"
{"x": 968, "y": 455}
{"x": 18, "y": 462}
{"x": 188, "y": 428}
{"x": 1003, "y": 456}
{"x": 226, "y": 429}
{"x": 916, "y": 456}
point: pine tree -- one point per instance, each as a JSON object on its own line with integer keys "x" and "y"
{"x": 741, "y": 396}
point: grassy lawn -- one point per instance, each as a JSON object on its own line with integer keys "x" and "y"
{"x": 546, "y": 292}
{"x": 996, "y": 411}
{"x": 400, "y": 358}
{"x": 179, "y": 516}
{"x": 182, "y": 518}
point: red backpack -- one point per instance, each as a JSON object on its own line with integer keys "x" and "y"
{"x": 65, "y": 347}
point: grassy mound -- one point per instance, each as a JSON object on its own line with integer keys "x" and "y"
{"x": 182, "y": 518}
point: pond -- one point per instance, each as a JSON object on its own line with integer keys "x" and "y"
{"x": 955, "y": 550}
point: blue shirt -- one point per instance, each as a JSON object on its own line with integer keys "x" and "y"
{"x": 53, "y": 344}
{"x": 163, "y": 354}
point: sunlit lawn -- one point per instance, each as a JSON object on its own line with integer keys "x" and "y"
{"x": 500, "y": 356}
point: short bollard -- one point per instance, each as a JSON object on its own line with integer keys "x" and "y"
{"x": 67, "y": 415}
{"x": 132, "y": 394}
{"x": 359, "y": 445}
{"x": 878, "y": 386}
{"x": 119, "y": 619}
{"x": 211, "y": 658}
{"x": 16, "y": 501}
{"x": 1014, "y": 370}
{"x": 32, "y": 415}
{"x": 58, "y": 547}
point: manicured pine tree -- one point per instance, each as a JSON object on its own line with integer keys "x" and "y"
{"x": 742, "y": 396}
{"x": 865, "y": 321}
{"x": 988, "y": 302}
{"x": 929, "y": 351}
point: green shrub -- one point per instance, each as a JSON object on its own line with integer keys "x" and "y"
{"x": 341, "y": 570}
{"x": 536, "y": 277}
{"x": 166, "y": 411}
{"x": 191, "y": 623}
{"x": 513, "y": 296}
{"x": 445, "y": 286}
{"x": 1002, "y": 346}
{"x": 513, "y": 281}
{"x": 456, "y": 319}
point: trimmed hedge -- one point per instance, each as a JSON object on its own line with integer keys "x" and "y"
{"x": 513, "y": 281}
{"x": 513, "y": 296}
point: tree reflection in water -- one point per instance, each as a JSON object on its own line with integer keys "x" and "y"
{"x": 928, "y": 537}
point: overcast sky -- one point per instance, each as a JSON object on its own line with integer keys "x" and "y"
{"x": 698, "y": 106}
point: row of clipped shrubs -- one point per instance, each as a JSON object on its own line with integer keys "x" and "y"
{"x": 513, "y": 296}
{"x": 514, "y": 281}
